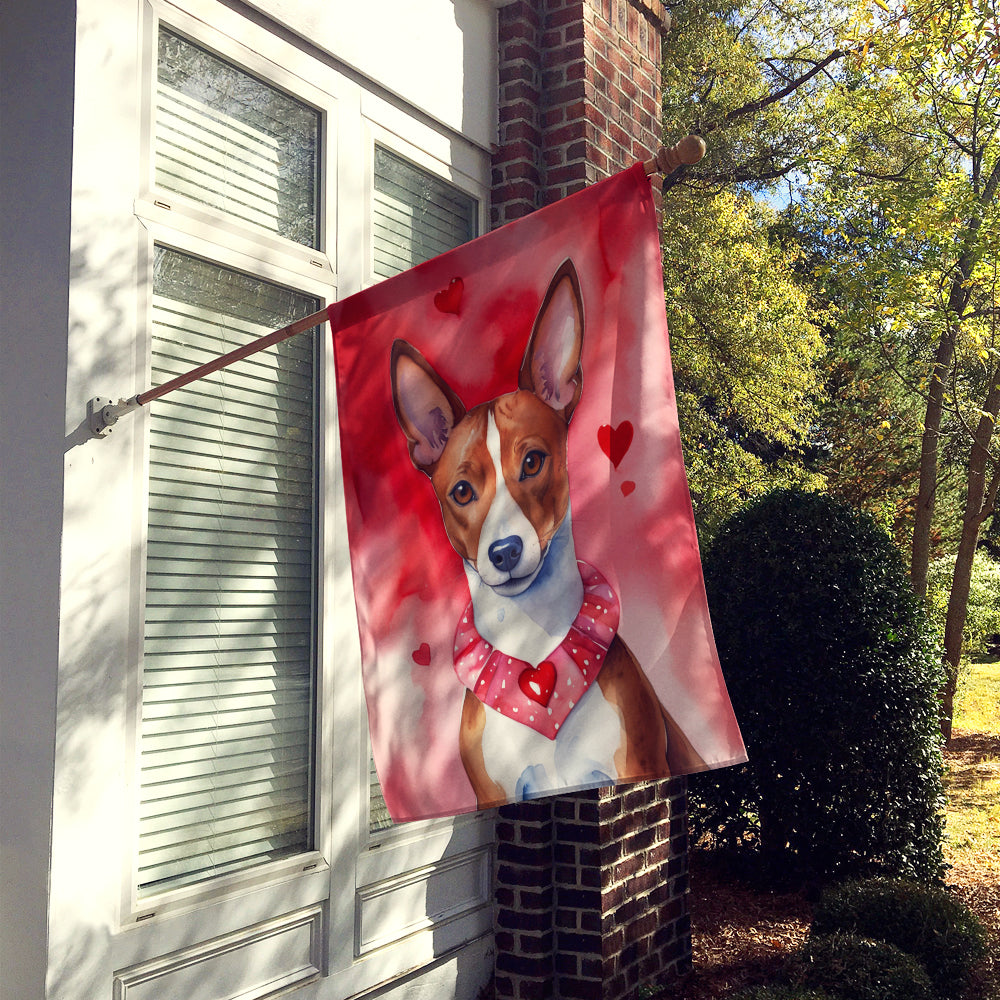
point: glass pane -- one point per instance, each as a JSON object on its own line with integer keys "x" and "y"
{"x": 228, "y": 655}
{"x": 231, "y": 141}
{"x": 416, "y": 215}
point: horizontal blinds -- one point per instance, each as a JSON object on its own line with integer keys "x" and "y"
{"x": 415, "y": 216}
{"x": 228, "y": 676}
{"x": 228, "y": 140}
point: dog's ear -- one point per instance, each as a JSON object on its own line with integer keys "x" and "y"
{"x": 551, "y": 368}
{"x": 426, "y": 407}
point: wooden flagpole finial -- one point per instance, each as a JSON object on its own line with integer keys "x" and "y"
{"x": 668, "y": 158}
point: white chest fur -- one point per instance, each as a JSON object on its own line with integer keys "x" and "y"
{"x": 528, "y": 625}
{"x": 522, "y": 761}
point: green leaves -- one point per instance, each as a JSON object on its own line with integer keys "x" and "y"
{"x": 833, "y": 675}
{"x": 746, "y": 352}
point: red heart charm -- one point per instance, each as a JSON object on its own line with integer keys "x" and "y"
{"x": 615, "y": 441}
{"x": 627, "y": 487}
{"x": 422, "y": 655}
{"x": 537, "y": 683}
{"x": 449, "y": 299}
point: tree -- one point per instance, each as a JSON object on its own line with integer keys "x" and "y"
{"x": 913, "y": 189}
{"x": 879, "y": 123}
{"x": 746, "y": 75}
{"x": 746, "y": 355}
{"x": 746, "y": 349}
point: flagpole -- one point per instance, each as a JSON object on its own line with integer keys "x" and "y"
{"x": 103, "y": 413}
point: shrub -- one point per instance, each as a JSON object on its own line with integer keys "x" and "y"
{"x": 833, "y": 673}
{"x": 925, "y": 922}
{"x": 982, "y": 620}
{"x": 856, "y": 968}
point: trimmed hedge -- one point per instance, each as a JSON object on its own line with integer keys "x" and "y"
{"x": 833, "y": 672}
{"x": 857, "y": 968}
{"x": 925, "y": 922}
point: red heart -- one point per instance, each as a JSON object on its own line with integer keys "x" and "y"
{"x": 537, "y": 683}
{"x": 627, "y": 487}
{"x": 449, "y": 299}
{"x": 422, "y": 655}
{"x": 615, "y": 441}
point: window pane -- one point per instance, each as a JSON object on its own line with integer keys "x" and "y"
{"x": 228, "y": 140}
{"x": 228, "y": 658}
{"x": 416, "y": 216}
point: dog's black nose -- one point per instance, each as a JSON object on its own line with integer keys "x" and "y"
{"x": 505, "y": 553}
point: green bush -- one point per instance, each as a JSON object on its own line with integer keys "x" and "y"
{"x": 983, "y": 611}
{"x": 925, "y": 922}
{"x": 856, "y": 968}
{"x": 833, "y": 673}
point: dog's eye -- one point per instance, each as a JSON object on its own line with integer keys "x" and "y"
{"x": 463, "y": 493}
{"x": 533, "y": 463}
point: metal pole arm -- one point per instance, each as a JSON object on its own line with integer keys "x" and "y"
{"x": 103, "y": 413}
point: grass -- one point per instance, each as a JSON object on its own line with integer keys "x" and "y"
{"x": 972, "y": 848}
{"x": 978, "y": 698}
{"x": 973, "y": 782}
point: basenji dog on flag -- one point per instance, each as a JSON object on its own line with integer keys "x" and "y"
{"x": 555, "y": 699}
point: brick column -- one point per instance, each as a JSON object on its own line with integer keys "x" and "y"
{"x": 591, "y": 889}
{"x": 579, "y": 96}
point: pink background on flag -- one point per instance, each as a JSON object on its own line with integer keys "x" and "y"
{"x": 632, "y": 521}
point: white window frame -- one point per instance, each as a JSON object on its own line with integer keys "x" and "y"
{"x": 346, "y": 856}
{"x": 177, "y": 223}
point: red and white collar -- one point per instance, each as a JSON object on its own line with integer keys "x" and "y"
{"x": 541, "y": 695}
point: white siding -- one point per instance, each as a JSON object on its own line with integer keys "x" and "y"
{"x": 78, "y": 231}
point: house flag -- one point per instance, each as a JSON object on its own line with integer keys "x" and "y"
{"x": 529, "y": 592}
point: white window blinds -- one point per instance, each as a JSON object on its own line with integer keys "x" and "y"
{"x": 227, "y": 140}
{"x": 416, "y": 216}
{"x": 228, "y": 673}
{"x": 228, "y": 664}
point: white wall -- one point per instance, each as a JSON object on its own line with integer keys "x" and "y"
{"x": 71, "y": 293}
{"x": 36, "y": 108}
{"x": 416, "y": 49}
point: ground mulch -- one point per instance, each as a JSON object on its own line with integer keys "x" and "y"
{"x": 742, "y": 934}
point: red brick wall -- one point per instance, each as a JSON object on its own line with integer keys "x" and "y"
{"x": 591, "y": 893}
{"x": 591, "y": 889}
{"x": 579, "y": 96}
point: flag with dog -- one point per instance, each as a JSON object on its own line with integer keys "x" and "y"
{"x": 526, "y": 572}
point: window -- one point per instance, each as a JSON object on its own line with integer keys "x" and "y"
{"x": 253, "y": 803}
{"x": 416, "y": 216}
{"x": 227, "y": 140}
{"x": 228, "y": 687}
{"x": 229, "y": 647}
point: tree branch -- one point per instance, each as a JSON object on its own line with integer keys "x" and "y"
{"x": 754, "y": 106}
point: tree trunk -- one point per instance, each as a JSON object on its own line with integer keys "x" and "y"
{"x": 958, "y": 299}
{"x": 920, "y": 553}
{"x": 979, "y": 503}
